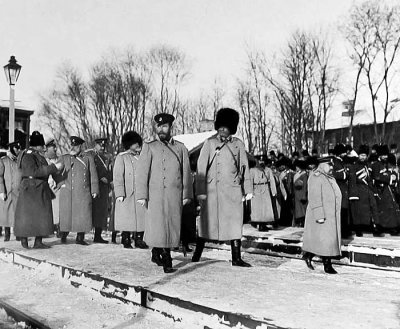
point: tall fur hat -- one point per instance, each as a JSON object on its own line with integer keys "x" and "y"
{"x": 130, "y": 138}
{"x": 383, "y": 149}
{"x": 227, "y": 117}
{"x": 363, "y": 149}
{"x": 392, "y": 159}
{"x": 36, "y": 139}
{"x": 339, "y": 149}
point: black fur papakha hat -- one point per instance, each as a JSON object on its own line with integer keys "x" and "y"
{"x": 228, "y": 118}
{"x": 363, "y": 149}
{"x": 383, "y": 150}
{"x": 130, "y": 138}
{"x": 36, "y": 139}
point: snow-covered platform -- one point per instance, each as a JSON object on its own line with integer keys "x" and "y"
{"x": 277, "y": 292}
{"x": 362, "y": 251}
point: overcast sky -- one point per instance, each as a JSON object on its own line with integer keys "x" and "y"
{"x": 43, "y": 34}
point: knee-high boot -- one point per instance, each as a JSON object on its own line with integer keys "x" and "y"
{"x": 139, "y": 243}
{"x": 7, "y": 234}
{"x": 167, "y": 260}
{"x": 126, "y": 240}
{"x": 200, "y": 243}
{"x": 156, "y": 256}
{"x": 328, "y": 265}
{"x": 39, "y": 244}
{"x": 236, "y": 257}
{"x": 97, "y": 236}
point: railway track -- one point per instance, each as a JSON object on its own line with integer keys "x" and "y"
{"x": 18, "y": 316}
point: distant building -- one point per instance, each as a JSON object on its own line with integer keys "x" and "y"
{"x": 22, "y": 126}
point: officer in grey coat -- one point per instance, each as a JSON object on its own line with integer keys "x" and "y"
{"x": 223, "y": 182}
{"x": 163, "y": 185}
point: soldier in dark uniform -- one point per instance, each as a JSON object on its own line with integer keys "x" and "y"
{"x": 34, "y": 215}
{"x": 286, "y": 186}
{"x": 361, "y": 195}
{"x": 103, "y": 162}
{"x": 300, "y": 180}
{"x": 78, "y": 184}
{"x": 164, "y": 185}
{"x": 340, "y": 173}
{"x": 384, "y": 181}
{"x": 10, "y": 178}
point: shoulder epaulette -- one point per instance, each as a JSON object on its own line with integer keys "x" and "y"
{"x": 123, "y": 153}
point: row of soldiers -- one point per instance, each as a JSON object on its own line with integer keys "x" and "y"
{"x": 79, "y": 185}
{"x": 369, "y": 182}
{"x": 152, "y": 186}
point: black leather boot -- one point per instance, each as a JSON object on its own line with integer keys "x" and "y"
{"x": 1, "y": 231}
{"x": 328, "y": 266}
{"x": 80, "y": 239}
{"x": 236, "y": 257}
{"x": 97, "y": 236}
{"x": 156, "y": 256}
{"x": 307, "y": 257}
{"x": 24, "y": 243}
{"x": 63, "y": 236}
{"x": 167, "y": 261}
{"x": 7, "y": 234}
{"x": 114, "y": 237}
{"x": 263, "y": 228}
{"x": 200, "y": 243}
{"x": 126, "y": 240}
{"x": 139, "y": 243}
{"x": 39, "y": 244}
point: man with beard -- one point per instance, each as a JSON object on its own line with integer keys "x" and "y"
{"x": 384, "y": 181}
{"x": 223, "y": 182}
{"x": 361, "y": 195}
{"x": 163, "y": 185}
{"x": 34, "y": 214}
{"x": 340, "y": 173}
{"x": 103, "y": 161}
{"x": 10, "y": 178}
{"x": 78, "y": 185}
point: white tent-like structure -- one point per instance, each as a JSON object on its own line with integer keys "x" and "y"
{"x": 194, "y": 142}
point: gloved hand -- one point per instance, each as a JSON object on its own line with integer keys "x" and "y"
{"x": 248, "y": 196}
{"x": 94, "y": 195}
{"x": 185, "y": 201}
{"x": 321, "y": 221}
{"x": 120, "y": 199}
{"x": 3, "y": 196}
{"x": 142, "y": 202}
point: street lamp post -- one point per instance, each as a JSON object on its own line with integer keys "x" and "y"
{"x": 12, "y": 70}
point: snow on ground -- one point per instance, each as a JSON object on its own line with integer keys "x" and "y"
{"x": 55, "y": 302}
{"x": 283, "y": 291}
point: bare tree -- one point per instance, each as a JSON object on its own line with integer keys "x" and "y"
{"x": 373, "y": 32}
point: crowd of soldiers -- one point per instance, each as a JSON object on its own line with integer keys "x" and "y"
{"x": 368, "y": 181}
{"x": 151, "y": 192}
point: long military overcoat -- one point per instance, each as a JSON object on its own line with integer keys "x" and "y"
{"x": 300, "y": 184}
{"x": 264, "y": 190}
{"x": 101, "y": 204}
{"x": 10, "y": 179}
{"x": 324, "y": 202}
{"x": 164, "y": 179}
{"x": 363, "y": 204}
{"x": 388, "y": 209}
{"x": 129, "y": 215}
{"x": 34, "y": 214}
{"x": 78, "y": 181}
{"x": 219, "y": 171}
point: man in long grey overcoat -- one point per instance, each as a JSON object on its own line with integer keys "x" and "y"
{"x": 322, "y": 231}
{"x": 129, "y": 215}
{"x": 163, "y": 185}
{"x": 10, "y": 178}
{"x": 222, "y": 183}
{"x": 78, "y": 185}
{"x": 34, "y": 214}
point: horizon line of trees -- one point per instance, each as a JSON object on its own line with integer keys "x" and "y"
{"x": 284, "y": 96}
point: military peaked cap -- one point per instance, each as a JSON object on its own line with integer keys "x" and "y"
{"x": 51, "y": 143}
{"x": 162, "y": 118}
{"x": 14, "y": 144}
{"x": 76, "y": 141}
